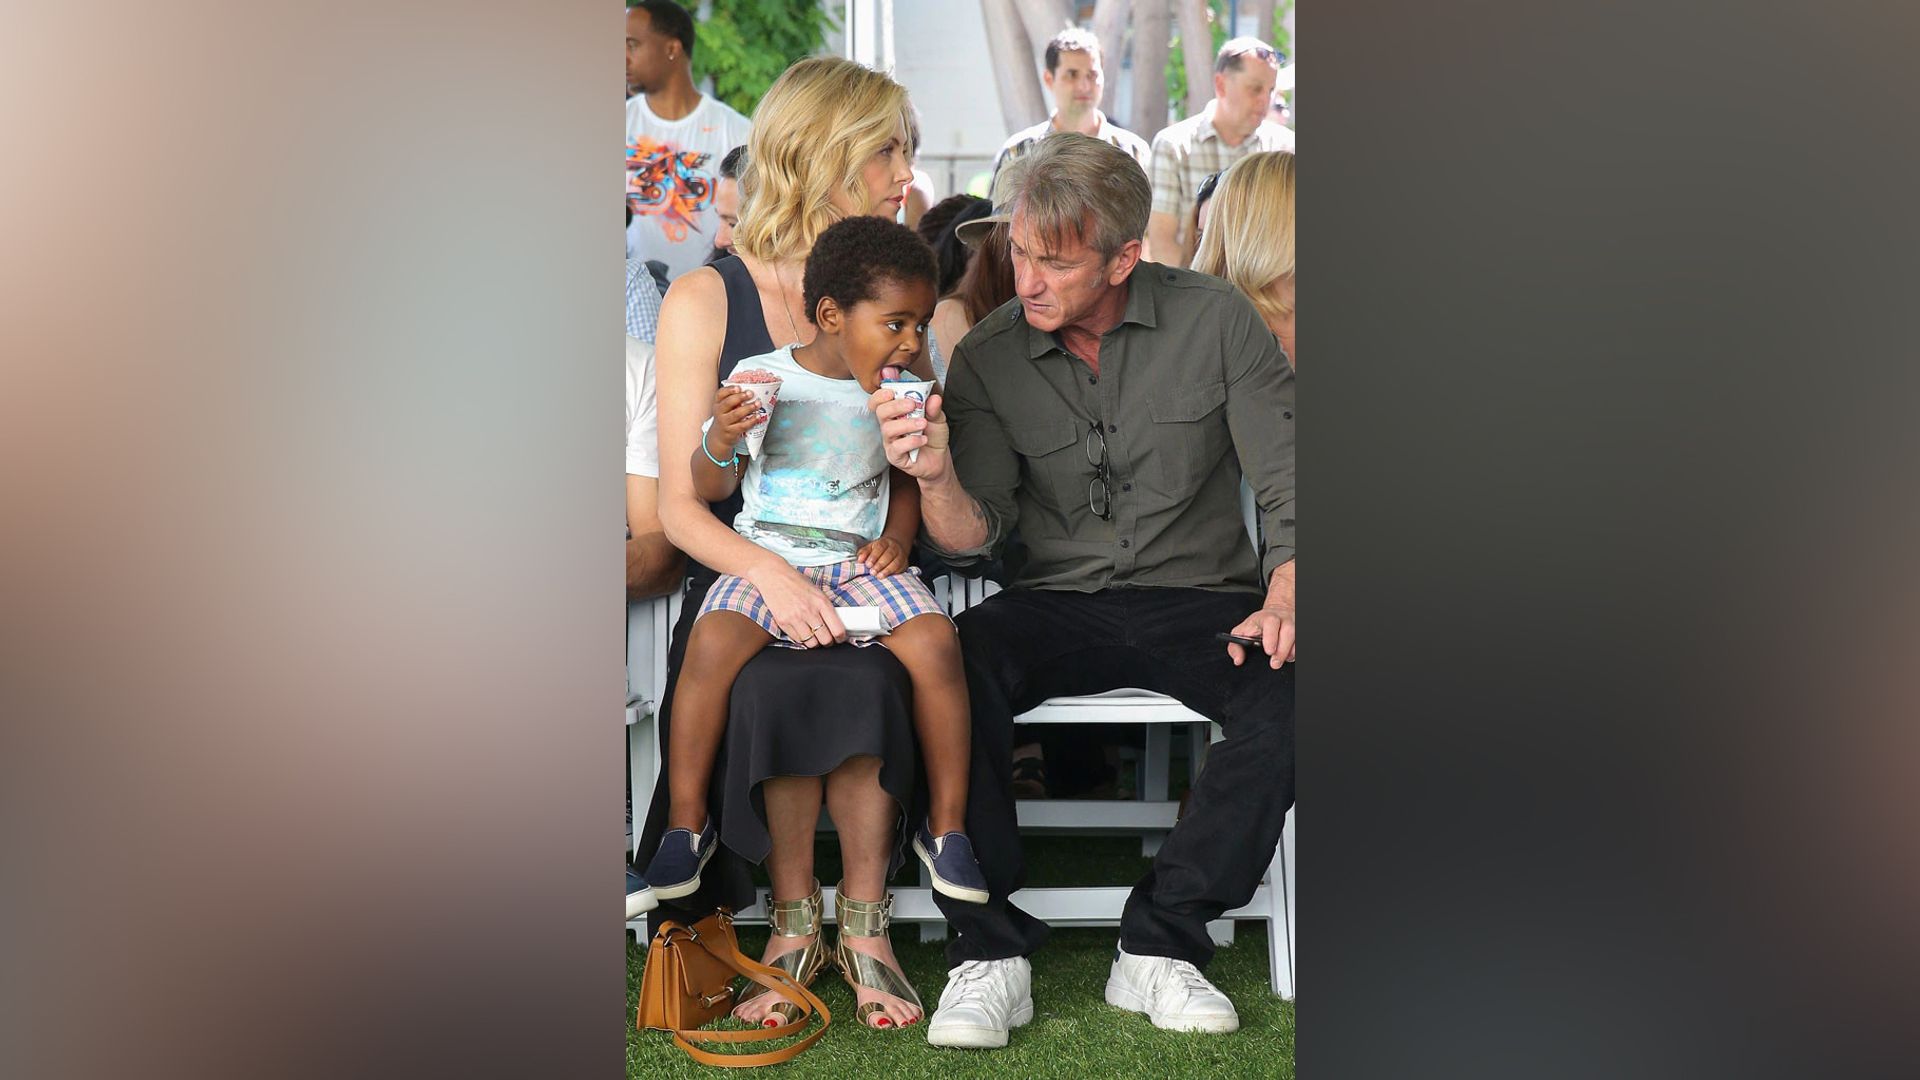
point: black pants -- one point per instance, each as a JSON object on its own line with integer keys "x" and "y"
{"x": 1023, "y": 646}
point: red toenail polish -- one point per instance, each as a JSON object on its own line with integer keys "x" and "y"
{"x": 769, "y": 1022}
{"x": 884, "y": 1022}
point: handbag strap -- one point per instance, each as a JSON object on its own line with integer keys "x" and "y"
{"x": 719, "y": 942}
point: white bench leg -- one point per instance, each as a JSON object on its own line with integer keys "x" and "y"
{"x": 1280, "y": 928}
{"x": 1156, "y": 762}
{"x": 1221, "y": 932}
{"x": 640, "y": 773}
{"x": 936, "y": 929}
{"x": 1290, "y": 910}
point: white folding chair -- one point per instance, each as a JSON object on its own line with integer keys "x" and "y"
{"x": 649, "y": 629}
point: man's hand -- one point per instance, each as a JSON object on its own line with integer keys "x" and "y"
{"x": 1274, "y": 627}
{"x": 884, "y": 557}
{"x": 901, "y": 434}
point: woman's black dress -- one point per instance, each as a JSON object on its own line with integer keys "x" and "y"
{"x": 793, "y": 712}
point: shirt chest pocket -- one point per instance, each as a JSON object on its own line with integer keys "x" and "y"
{"x": 1189, "y": 436}
{"x": 1055, "y": 464}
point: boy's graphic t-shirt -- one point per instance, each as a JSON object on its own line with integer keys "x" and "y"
{"x": 817, "y": 492}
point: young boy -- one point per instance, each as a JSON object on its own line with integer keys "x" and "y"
{"x": 820, "y": 494}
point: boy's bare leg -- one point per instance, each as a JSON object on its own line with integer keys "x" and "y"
{"x": 929, "y": 648}
{"x": 720, "y": 645}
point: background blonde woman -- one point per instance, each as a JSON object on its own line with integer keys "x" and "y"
{"x": 830, "y": 140}
{"x": 1249, "y": 238}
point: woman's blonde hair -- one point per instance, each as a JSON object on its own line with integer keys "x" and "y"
{"x": 1249, "y": 235}
{"x": 812, "y": 133}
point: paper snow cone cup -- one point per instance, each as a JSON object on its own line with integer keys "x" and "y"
{"x": 765, "y": 391}
{"x": 916, "y": 391}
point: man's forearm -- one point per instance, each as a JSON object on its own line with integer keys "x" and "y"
{"x": 952, "y": 519}
{"x": 1280, "y": 586}
{"x": 654, "y": 566}
{"x": 1163, "y": 243}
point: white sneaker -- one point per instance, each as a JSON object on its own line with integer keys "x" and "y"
{"x": 982, "y": 1001}
{"x": 1172, "y": 993}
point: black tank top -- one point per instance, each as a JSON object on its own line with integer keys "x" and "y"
{"x": 746, "y": 326}
{"x": 746, "y": 337}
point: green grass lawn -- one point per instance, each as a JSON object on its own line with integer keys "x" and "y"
{"x": 1074, "y": 1032}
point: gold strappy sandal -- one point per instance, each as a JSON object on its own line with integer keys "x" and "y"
{"x": 794, "y": 918}
{"x": 868, "y": 918}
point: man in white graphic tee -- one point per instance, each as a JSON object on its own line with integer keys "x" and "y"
{"x": 676, "y": 137}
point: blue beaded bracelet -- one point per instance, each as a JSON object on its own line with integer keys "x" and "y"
{"x": 727, "y": 464}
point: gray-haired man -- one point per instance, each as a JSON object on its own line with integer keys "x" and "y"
{"x": 1110, "y": 411}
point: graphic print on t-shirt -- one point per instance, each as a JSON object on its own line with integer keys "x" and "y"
{"x": 667, "y": 184}
{"x": 819, "y": 468}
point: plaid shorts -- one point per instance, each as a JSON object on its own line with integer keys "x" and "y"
{"x": 899, "y": 597}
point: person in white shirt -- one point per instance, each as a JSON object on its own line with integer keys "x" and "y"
{"x": 676, "y": 137}
{"x": 1075, "y": 79}
{"x": 654, "y": 566}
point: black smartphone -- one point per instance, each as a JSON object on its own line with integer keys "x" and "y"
{"x": 1249, "y": 642}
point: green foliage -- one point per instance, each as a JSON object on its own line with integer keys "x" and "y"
{"x": 746, "y": 44}
{"x": 1277, "y": 35}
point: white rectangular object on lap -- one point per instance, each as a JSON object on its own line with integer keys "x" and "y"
{"x": 862, "y": 621}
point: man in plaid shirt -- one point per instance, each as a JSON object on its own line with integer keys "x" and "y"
{"x": 1233, "y": 125}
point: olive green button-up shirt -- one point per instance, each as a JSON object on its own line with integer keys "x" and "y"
{"x": 1192, "y": 391}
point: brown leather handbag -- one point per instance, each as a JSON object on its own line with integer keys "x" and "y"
{"x": 688, "y": 981}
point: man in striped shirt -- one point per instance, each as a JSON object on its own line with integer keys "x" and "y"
{"x": 1075, "y": 80}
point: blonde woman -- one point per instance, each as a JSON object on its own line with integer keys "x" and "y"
{"x": 1249, "y": 238}
{"x": 829, "y": 141}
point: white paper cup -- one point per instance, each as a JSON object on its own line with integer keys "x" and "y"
{"x": 915, "y": 391}
{"x": 765, "y": 394}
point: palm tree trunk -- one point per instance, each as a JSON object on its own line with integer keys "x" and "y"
{"x": 1110, "y": 27}
{"x": 1151, "y": 31}
{"x": 1021, "y": 104}
{"x": 1043, "y": 19}
{"x": 1196, "y": 48}
{"x": 1261, "y": 12}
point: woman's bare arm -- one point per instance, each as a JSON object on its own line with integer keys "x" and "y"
{"x": 687, "y": 365}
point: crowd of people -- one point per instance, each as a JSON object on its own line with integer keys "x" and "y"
{"x": 1109, "y": 340}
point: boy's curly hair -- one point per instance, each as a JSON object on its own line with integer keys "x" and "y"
{"x": 854, "y": 255}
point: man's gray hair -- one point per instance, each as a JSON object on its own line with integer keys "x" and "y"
{"x": 1079, "y": 188}
{"x": 1234, "y": 52}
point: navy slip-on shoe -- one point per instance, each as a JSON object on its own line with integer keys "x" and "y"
{"x": 950, "y": 860}
{"x": 640, "y": 896}
{"x": 675, "y": 869}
